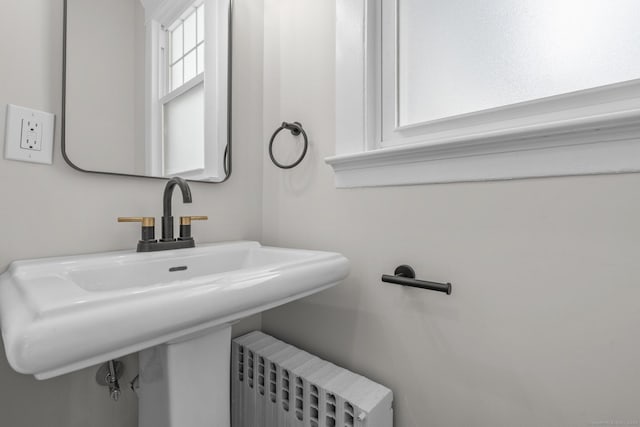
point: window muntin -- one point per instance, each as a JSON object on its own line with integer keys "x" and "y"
{"x": 186, "y": 47}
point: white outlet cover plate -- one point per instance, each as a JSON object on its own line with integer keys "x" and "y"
{"x": 13, "y": 135}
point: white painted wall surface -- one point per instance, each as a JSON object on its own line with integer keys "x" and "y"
{"x": 542, "y": 327}
{"x": 103, "y": 102}
{"x": 54, "y": 210}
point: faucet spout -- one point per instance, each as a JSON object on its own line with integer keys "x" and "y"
{"x": 167, "y": 218}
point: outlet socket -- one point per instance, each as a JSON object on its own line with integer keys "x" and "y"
{"x": 29, "y": 135}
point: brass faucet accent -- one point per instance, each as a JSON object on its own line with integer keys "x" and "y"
{"x": 148, "y": 242}
{"x": 148, "y": 229}
{"x": 185, "y": 225}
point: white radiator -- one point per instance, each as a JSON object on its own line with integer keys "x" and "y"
{"x": 274, "y": 384}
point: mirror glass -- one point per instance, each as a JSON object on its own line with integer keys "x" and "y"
{"x": 147, "y": 87}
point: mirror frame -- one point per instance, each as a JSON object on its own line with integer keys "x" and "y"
{"x": 227, "y": 160}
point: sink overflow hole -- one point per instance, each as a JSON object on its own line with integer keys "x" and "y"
{"x": 181, "y": 268}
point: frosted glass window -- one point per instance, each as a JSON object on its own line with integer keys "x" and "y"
{"x": 200, "y": 58}
{"x": 462, "y": 56}
{"x": 190, "y": 66}
{"x": 190, "y": 32}
{"x": 176, "y": 44}
{"x": 177, "y": 75}
{"x": 200, "y": 23}
{"x": 184, "y": 132}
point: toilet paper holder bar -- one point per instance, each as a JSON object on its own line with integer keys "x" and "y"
{"x": 405, "y": 275}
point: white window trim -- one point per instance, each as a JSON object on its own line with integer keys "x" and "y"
{"x": 589, "y": 132}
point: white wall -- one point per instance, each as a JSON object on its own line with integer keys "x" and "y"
{"x": 542, "y": 327}
{"x": 54, "y": 210}
{"x": 104, "y": 102}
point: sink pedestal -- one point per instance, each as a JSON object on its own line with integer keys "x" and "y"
{"x": 185, "y": 383}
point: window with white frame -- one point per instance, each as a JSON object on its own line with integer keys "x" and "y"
{"x": 187, "y": 43}
{"x": 182, "y": 105}
{"x": 458, "y": 90}
{"x": 186, "y": 47}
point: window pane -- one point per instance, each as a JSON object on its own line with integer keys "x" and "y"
{"x": 201, "y": 58}
{"x": 184, "y": 132}
{"x": 176, "y": 44}
{"x": 190, "y": 66}
{"x": 176, "y": 75}
{"x": 201, "y": 23}
{"x": 462, "y": 56}
{"x": 190, "y": 32}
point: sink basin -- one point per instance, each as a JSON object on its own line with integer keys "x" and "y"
{"x": 63, "y": 314}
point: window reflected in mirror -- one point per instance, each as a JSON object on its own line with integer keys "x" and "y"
{"x": 141, "y": 76}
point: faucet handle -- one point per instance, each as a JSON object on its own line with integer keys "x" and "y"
{"x": 148, "y": 226}
{"x": 147, "y": 221}
{"x": 186, "y": 220}
{"x": 185, "y": 226}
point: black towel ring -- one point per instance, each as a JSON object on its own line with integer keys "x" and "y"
{"x": 296, "y": 129}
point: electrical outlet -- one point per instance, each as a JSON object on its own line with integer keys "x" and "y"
{"x": 29, "y": 135}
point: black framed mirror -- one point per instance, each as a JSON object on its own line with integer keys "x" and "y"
{"x": 147, "y": 88}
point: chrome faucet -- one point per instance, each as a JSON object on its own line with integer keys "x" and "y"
{"x": 148, "y": 243}
{"x": 167, "y": 219}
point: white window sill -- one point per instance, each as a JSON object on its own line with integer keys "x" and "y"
{"x": 592, "y": 145}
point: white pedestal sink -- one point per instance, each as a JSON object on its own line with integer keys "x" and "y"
{"x": 174, "y": 307}
{"x": 186, "y": 383}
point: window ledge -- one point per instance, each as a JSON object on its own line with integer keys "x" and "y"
{"x": 600, "y": 144}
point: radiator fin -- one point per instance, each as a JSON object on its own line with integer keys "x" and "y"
{"x": 275, "y": 384}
